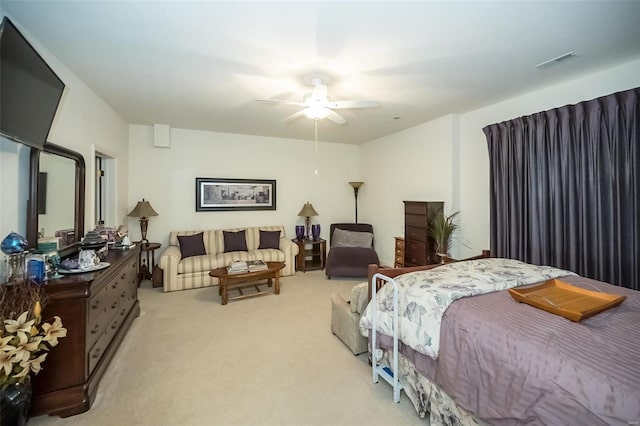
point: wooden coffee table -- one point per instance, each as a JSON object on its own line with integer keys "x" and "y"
{"x": 248, "y": 279}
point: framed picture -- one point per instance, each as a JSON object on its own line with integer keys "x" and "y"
{"x": 235, "y": 194}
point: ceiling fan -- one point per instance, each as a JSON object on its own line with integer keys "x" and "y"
{"x": 318, "y": 106}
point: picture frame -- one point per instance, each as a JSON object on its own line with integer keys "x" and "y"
{"x": 222, "y": 194}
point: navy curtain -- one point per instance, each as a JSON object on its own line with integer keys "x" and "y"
{"x": 565, "y": 188}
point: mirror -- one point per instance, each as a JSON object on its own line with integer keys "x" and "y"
{"x": 56, "y": 196}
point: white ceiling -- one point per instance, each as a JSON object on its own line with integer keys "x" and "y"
{"x": 201, "y": 64}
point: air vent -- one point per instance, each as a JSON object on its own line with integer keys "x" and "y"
{"x": 557, "y": 60}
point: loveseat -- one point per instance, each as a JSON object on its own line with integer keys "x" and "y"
{"x": 187, "y": 261}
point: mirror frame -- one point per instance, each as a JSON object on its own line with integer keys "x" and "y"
{"x": 32, "y": 204}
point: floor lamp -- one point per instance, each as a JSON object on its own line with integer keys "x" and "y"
{"x": 355, "y": 186}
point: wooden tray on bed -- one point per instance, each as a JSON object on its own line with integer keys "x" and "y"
{"x": 566, "y": 300}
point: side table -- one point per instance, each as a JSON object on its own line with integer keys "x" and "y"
{"x": 147, "y": 265}
{"x": 312, "y": 254}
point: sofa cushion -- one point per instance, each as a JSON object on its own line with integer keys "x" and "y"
{"x": 224, "y": 259}
{"x": 343, "y": 238}
{"x": 235, "y": 241}
{"x": 211, "y": 243}
{"x": 196, "y": 264}
{"x": 191, "y": 245}
{"x": 267, "y": 255}
{"x": 269, "y": 240}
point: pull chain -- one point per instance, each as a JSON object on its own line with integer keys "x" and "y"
{"x": 315, "y": 121}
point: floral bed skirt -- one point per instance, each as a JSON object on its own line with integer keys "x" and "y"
{"x": 427, "y": 398}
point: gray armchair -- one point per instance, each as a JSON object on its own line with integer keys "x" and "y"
{"x": 345, "y": 316}
{"x": 350, "y": 261}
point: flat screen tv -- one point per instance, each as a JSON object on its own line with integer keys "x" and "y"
{"x": 29, "y": 90}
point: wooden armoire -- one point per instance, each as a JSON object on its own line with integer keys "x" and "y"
{"x": 419, "y": 247}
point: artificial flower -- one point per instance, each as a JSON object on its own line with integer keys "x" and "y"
{"x": 53, "y": 331}
{"x": 6, "y": 362}
{"x": 34, "y": 364}
{"x": 21, "y": 325}
{"x": 23, "y": 347}
{"x": 26, "y": 346}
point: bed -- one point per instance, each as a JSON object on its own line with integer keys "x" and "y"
{"x": 506, "y": 363}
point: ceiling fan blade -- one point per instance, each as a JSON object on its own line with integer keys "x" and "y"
{"x": 352, "y": 104}
{"x": 336, "y": 118}
{"x": 293, "y": 116}
{"x": 279, "y": 102}
{"x": 270, "y": 101}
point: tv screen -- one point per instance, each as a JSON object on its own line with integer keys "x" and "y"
{"x": 29, "y": 90}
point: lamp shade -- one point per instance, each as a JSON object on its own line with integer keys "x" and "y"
{"x": 308, "y": 210}
{"x": 356, "y": 185}
{"x": 143, "y": 209}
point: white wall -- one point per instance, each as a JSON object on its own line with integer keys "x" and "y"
{"x": 84, "y": 123}
{"x": 447, "y": 159}
{"x": 415, "y": 164}
{"x": 166, "y": 178}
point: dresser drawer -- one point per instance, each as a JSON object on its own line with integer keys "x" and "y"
{"x": 415, "y": 208}
{"x": 399, "y": 243}
{"x": 97, "y": 350}
{"x": 415, "y": 252}
{"x": 412, "y": 233}
{"x": 416, "y": 221}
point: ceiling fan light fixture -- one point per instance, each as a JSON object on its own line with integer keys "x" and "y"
{"x": 316, "y": 112}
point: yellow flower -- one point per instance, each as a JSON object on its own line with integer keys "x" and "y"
{"x": 37, "y": 310}
{"x": 25, "y": 347}
{"x": 53, "y": 331}
{"x": 21, "y": 325}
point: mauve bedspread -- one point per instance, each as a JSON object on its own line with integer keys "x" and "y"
{"x": 510, "y": 363}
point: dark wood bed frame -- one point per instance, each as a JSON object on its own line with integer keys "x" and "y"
{"x": 394, "y": 272}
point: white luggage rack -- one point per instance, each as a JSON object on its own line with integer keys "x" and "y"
{"x": 390, "y": 376}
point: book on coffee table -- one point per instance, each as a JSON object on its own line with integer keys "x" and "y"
{"x": 256, "y": 265}
{"x": 237, "y": 267}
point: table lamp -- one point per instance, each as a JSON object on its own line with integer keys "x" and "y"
{"x": 307, "y": 211}
{"x": 143, "y": 210}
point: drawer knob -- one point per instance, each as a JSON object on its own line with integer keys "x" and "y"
{"x": 123, "y": 294}
{"x": 123, "y": 276}
{"x": 114, "y": 305}
{"x": 123, "y": 312}
{"x": 96, "y": 353}
{"x": 95, "y": 329}
{"x": 114, "y": 285}
{"x": 95, "y": 304}
{"x": 114, "y": 325}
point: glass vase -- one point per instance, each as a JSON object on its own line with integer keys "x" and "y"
{"x": 15, "y": 402}
{"x": 300, "y": 232}
{"x": 315, "y": 231}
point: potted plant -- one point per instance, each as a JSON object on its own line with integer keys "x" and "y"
{"x": 442, "y": 230}
{"x": 24, "y": 344}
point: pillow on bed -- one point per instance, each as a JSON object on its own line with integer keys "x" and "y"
{"x": 191, "y": 245}
{"x": 343, "y": 238}
{"x": 234, "y": 241}
{"x": 269, "y": 240}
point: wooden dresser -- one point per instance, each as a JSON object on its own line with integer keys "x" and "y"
{"x": 96, "y": 309}
{"x": 418, "y": 245}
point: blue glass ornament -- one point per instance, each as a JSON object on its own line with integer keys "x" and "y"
{"x": 14, "y": 243}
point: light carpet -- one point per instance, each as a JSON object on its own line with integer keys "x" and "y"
{"x": 269, "y": 360}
